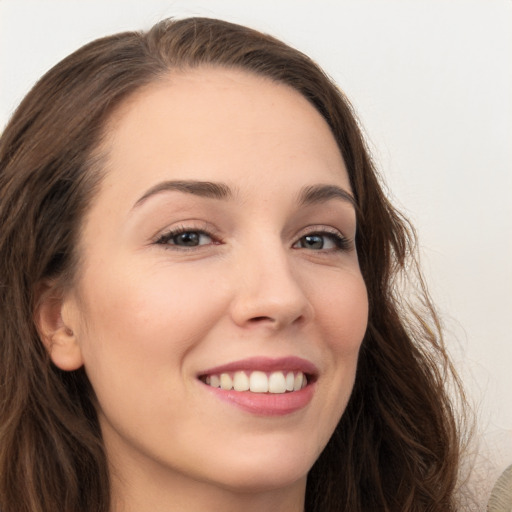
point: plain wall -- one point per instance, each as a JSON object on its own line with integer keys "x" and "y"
{"x": 432, "y": 84}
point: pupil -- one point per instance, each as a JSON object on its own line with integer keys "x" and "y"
{"x": 313, "y": 242}
{"x": 188, "y": 239}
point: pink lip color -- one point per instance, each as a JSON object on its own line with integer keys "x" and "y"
{"x": 266, "y": 404}
{"x": 266, "y": 364}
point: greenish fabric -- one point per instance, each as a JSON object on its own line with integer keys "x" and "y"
{"x": 501, "y": 495}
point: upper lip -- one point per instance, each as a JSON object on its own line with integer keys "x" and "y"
{"x": 265, "y": 364}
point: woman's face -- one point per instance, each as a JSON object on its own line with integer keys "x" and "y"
{"x": 219, "y": 251}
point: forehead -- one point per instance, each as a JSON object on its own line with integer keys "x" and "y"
{"x": 219, "y": 125}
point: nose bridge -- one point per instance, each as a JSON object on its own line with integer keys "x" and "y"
{"x": 267, "y": 288}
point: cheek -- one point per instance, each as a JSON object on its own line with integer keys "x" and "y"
{"x": 145, "y": 318}
{"x": 140, "y": 329}
{"x": 342, "y": 312}
{"x": 342, "y": 315}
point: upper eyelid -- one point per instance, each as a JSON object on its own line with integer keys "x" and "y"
{"x": 184, "y": 226}
{"x": 321, "y": 229}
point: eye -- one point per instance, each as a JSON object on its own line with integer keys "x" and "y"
{"x": 322, "y": 241}
{"x": 185, "y": 238}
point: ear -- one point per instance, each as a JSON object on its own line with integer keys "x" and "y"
{"x": 55, "y": 324}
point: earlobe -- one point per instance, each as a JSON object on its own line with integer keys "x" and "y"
{"x": 57, "y": 336}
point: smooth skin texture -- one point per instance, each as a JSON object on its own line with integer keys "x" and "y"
{"x": 259, "y": 272}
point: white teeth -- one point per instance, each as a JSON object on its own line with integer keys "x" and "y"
{"x": 214, "y": 381}
{"x": 258, "y": 381}
{"x": 297, "y": 384}
{"x": 290, "y": 379}
{"x": 277, "y": 382}
{"x": 226, "y": 382}
{"x": 240, "y": 381}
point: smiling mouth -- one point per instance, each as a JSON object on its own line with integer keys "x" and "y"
{"x": 276, "y": 382}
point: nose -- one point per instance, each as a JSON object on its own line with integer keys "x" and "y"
{"x": 268, "y": 292}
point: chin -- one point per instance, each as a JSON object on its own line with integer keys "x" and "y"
{"x": 261, "y": 480}
{"x": 259, "y": 474}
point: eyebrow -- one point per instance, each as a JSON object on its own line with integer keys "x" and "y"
{"x": 198, "y": 188}
{"x": 309, "y": 195}
{"x": 321, "y": 193}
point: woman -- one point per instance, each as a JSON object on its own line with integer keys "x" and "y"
{"x": 200, "y": 300}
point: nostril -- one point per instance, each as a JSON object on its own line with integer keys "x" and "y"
{"x": 261, "y": 319}
{"x": 274, "y": 322}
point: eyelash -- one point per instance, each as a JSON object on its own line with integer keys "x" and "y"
{"x": 341, "y": 243}
{"x": 166, "y": 237}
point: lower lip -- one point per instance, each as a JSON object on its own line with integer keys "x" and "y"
{"x": 266, "y": 404}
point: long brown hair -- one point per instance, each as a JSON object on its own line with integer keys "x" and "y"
{"x": 397, "y": 445}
